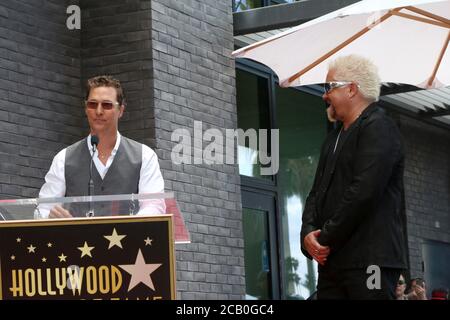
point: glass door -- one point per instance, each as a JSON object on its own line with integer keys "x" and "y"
{"x": 260, "y": 253}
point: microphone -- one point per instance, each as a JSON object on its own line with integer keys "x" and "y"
{"x": 94, "y": 143}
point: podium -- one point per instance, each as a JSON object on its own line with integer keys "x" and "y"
{"x": 113, "y": 247}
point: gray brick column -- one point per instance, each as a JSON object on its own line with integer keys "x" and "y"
{"x": 116, "y": 40}
{"x": 194, "y": 80}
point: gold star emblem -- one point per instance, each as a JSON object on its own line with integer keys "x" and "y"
{"x": 18, "y": 240}
{"x": 49, "y": 244}
{"x": 31, "y": 248}
{"x": 13, "y": 257}
{"x": 62, "y": 258}
{"x": 114, "y": 239}
{"x": 85, "y": 250}
{"x": 44, "y": 259}
{"x": 148, "y": 241}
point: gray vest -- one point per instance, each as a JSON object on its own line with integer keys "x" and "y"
{"x": 122, "y": 176}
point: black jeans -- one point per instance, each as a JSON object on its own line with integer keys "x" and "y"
{"x": 352, "y": 284}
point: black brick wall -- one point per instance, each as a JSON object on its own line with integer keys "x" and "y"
{"x": 427, "y": 187}
{"x": 39, "y": 91}
{"x": 173, "y": 59}
{"x": 116, "y": 40}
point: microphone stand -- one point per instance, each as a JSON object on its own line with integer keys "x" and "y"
{"x": 94, "y": 142}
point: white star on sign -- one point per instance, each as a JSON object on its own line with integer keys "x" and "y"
{"x": 31, "y": 248}
{"x": 85, "y": 250}
{"x": 114, "y": 239}
{"x": 62, "y": 258}
{"x": 140, "y": 272}
{"x": 148, "y": 241}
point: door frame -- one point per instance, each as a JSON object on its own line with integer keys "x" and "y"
{"x": 266, "y": 201}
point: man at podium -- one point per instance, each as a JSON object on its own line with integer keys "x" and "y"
{"x": 105, "y": 162}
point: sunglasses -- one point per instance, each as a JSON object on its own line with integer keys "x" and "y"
{"x": 328, "y": 86}
{"x": 400, "y": 282}
{"x": 106, "y": 105}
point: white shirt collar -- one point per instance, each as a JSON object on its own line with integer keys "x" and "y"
{"x": 116, "y": 146}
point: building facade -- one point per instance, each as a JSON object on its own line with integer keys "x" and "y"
{"x": 174, "y": 60}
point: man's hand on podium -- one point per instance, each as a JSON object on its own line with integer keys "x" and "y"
{"x": 59, "y": 212}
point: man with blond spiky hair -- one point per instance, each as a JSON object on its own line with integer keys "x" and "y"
{"x": 354, "y": 223}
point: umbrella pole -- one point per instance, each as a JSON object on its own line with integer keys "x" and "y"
{"x": 439, "y": 60}
{"x": 429, "y": 15}
{"x": 420, "y": 19}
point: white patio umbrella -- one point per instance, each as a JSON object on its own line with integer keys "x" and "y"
{"x": 407, "y": 39}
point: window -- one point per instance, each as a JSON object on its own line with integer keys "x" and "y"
{"x": 242, "y": 5}
{"x": 256, "y": 237}
{"x": 253, "y": 114}
{"x": 303, "y": 126}
{"x": 273, "y": 205}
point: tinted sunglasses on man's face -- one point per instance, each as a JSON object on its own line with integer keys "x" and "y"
{"x": 328, "y": 86}
{"x": 106, "y": 105}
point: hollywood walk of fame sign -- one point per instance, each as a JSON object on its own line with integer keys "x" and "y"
{"x": 95, "y": 258}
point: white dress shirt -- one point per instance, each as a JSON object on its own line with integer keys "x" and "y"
{"x": 150, "y": 181}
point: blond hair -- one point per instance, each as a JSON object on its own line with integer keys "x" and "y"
{"x": 360, "y": 70}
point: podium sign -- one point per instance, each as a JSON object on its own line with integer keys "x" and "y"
{"x": 123, "y": 257}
